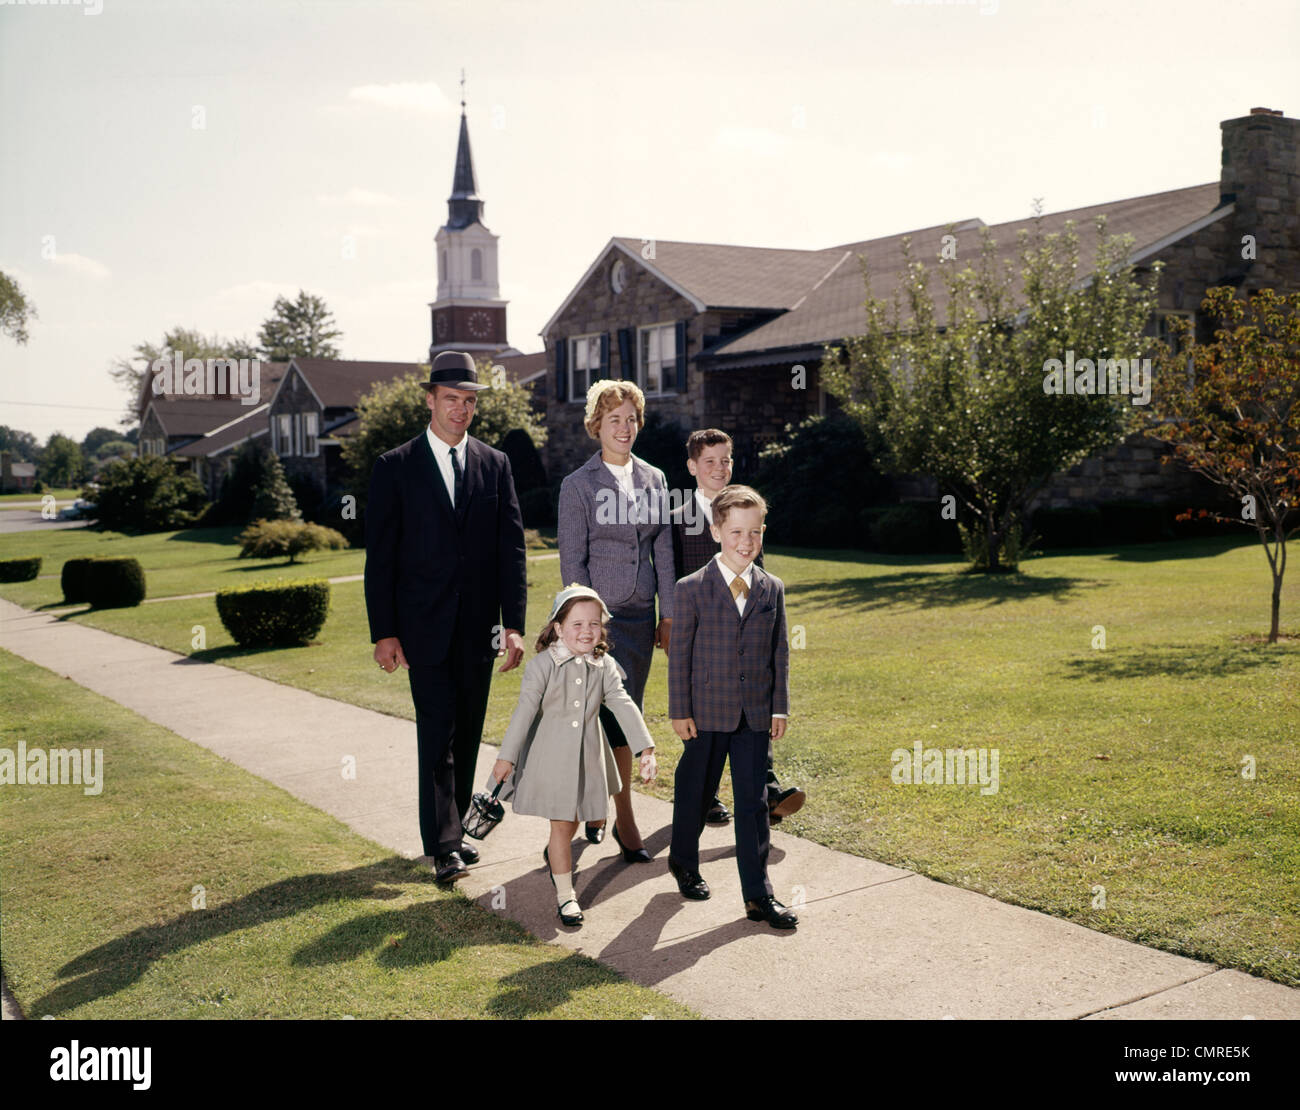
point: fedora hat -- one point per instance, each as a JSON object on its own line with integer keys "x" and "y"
{"x": 454, "y": 369}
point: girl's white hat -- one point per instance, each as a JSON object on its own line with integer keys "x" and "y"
{"x": 585, "y": 592}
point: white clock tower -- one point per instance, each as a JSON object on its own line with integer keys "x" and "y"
{"x": 469, "y": 314}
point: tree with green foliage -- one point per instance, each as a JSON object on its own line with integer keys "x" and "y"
{"x": 115, "y": 449}
{"x": 395, "y": 411}
{"x": 188, "y": 342}
{"x": 963, "y": 398}
{"x": 15, "y": 309}
{"x": 147, "y": 495}
{"x": 303, "y": 328}
{"x": 1231, "y": 410}
{"x": 272, "y": 497}
{"x": 96, "y": 438}
{"x": 61, "y": 462}
{"x": 22, "y": 445}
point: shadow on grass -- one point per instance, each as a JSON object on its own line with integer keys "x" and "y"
{"x": 1205, "y": 548}
{"x": 223, "y": 534}
{"x": 925, "y": 591}
{"x": 429, "y": 932}
{"x": 1208, "y": 660}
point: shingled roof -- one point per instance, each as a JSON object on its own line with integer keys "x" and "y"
{"x": 832, "y": 308}
{"x": 339, "y": 383}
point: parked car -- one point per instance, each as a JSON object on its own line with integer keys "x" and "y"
{"x": 78, "y": 510}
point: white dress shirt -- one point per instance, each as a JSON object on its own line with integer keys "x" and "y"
{"x": 746, "y": 576}
{"x": 623, "y": 476}
{"x": 442, "y": 456}
{"x": 706, "y": 507}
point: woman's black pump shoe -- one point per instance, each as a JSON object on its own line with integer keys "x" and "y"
{"x": 595, "y": 833}
{"x": 631, "y": 855}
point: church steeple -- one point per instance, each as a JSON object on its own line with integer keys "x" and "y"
{"x": 468, "y": 314}
{"x": 463, "y": 206}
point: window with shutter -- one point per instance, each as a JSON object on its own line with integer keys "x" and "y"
{"x": 657, "y": 359}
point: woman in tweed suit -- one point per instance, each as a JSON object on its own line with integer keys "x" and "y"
{"x": 615, "y": 537}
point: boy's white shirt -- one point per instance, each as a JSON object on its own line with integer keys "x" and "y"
{"x": 746, "y": 576}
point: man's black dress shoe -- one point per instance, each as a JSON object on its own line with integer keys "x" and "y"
{"x": 718, "y": 814}
{"x": 689, "y": 883}
{"x": 595, "y": 833}
{"x": 449, "y": 868}
{"x": 770, "y": 910}
{"x": 631, "y": 855}
{"x": 469, "y": 853}
{"x": 786, "y": 802}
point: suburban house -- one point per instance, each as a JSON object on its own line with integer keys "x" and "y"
{"x": 731, "y": 336}
{"x": 15, "y": 476}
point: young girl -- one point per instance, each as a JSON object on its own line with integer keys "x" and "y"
{"x": 562, "y": 767}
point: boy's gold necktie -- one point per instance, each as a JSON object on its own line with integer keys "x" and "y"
{"x": 738, "y": 587}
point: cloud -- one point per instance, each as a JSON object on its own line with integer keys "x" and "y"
{"x": 893, "y": 160}
{"x": 752, "y": 140}
{"x": 406, "y": 96}
{"x": 80, "y": 264}
{"x": 364, "y": 198}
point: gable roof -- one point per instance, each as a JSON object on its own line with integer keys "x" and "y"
{"x": 833, "y": 309}
{"x": 339, "y": 383}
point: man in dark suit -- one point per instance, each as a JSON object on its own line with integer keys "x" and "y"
{"x": 708, "y": 459}
{"x": 446, "y": 589}
{"x": 728, "y": 692}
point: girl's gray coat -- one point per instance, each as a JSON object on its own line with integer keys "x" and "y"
{"x": 564, "y": 768}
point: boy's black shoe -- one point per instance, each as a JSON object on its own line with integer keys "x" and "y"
{"x": 468, "y": 853}
{"x": 785, "y": 803}
{"x": 718, "y": 814}
{"x": 449, "y": 868}
{"x": 689, "y": 883}
{"x": 770, "y": 910}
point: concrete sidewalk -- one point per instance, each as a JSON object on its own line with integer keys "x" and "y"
{"x": 874, "y": 941}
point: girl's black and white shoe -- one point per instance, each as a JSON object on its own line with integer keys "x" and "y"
{"x": 574, "y": 916}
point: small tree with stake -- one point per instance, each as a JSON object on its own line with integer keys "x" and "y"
{"x": 1231, "y": 410}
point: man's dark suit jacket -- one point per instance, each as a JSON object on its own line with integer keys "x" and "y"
{"x": 423, "y": 560}
{"x": 721, "y": 662}
{"x": 693, "y": 548}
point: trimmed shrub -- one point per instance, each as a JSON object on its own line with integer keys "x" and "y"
{"x": 1068, "y": 527}
{"x": 20, "y": 570}
{"x": 272, "y": 539}
{"x": 1135, "y": 522}
{"x": 114, "y": 582}
{"x": 537, "y": 508}
{"x": 147, "y": 495}
{"x": 73, "y": 578}
{"x": 275, "y": 613}
{"x": 912, "y": 528}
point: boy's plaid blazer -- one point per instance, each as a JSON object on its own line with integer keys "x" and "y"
{"x": 721, "y": 663}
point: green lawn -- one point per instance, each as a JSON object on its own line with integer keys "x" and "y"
{"x": 303, "y": 918}
{"x": 15, "y": 500}
{"x": 1120, "y": 767}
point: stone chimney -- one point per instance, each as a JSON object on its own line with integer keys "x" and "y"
{"x": 1261, "y": 177}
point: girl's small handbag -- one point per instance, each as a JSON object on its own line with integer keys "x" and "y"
{"x": 485, "y": 813}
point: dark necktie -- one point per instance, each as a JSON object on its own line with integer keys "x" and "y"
{"x": 459, "y": 481}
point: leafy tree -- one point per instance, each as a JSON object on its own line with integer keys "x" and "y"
{"x": 22, "y": 445}
{"x": 189, "y": 342}
{"x": 270, "y": 539}
{"x": 115, "y": 449}
{"x": 395, "y": 411}
{"x": 301, "y": 328}
{"x": 147, "y": 495}
{"x": 1231, "y": 409}
{"x": 96, "y": 438}
{"x": 962, "y": 399}
{"x": 15, "y": 309}
{"x": 61, "y": 462}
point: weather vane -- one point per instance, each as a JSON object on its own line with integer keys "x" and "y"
{"x": 462, "y": 90}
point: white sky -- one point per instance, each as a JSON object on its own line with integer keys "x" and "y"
{"x": 747, "y": 121}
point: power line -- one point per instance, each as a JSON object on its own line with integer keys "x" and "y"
{"x": 47, "y": 405}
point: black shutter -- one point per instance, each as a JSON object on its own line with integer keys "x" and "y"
{"x": 625, "y": 354}
{"x": 603, "y": 372}
{"x": 561, "y": 369}
{"x": 681, "y": 356}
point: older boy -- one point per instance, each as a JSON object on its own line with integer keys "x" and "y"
{"x": 709, "y": 461}
{"x": 728, "y": 691}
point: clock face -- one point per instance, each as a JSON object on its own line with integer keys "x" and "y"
{"x": 440, "y": 325}
{"x": 480, "y": 323}
{"x": 618, "y": 276}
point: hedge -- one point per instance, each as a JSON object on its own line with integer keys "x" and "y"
{"x": 73, "y": 578}
{"x": 20, "y": 570}
{"x": 113, "y": 582}
{"x": 275, "y": 613}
